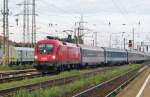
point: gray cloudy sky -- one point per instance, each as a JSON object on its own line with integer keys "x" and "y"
{"x": 98, "y": 12}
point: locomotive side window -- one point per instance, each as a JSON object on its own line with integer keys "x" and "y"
{"x": 45, "y": 48}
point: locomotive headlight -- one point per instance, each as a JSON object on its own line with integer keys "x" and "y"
{"x": 35, "y": 57}
{"x": 44, "y": 51}
{"x": 54, "y": 57}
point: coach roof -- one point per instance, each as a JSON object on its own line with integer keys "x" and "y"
{"x": 114, "y": 49}
{"x": 24, "y": 48}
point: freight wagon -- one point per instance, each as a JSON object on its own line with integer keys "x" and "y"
{"x": 18, "y": 55}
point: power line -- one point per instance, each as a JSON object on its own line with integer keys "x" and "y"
{"x": 56, "y": 7}
{"x": 124, "y": 13}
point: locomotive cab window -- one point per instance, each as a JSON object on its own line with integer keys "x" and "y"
{"x": 45, "y": 48}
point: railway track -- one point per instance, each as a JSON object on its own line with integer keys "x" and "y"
{"x": 111, "y": 87}
{"x": 50, "y": 83}
{"x": 18, "y": 75}
{"x": 22, "y": 74}
{"x": 7, "y": 73}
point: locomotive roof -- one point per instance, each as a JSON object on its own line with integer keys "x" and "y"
{"x": 57, "y": 42}
{"x": 48, "y": 40}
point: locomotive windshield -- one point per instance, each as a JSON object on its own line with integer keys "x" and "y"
{"x": 45, "y": 48}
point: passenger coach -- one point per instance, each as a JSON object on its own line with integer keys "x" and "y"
{"x": 91, "y": 56}
{"x": 115, "y": 56}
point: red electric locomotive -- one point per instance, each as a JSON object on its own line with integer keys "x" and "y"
{"x": 56, "y": 55}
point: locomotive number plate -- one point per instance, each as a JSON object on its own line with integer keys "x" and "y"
{"x": 44, "y": 58}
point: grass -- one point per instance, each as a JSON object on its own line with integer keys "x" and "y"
{"x": 4, "y": 68}
{"x": 37, "y": 80}
{"x": 59, "y": 91}
{"x": 15, "y": 67}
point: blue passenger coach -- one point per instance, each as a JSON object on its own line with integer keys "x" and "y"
{"x": 115, "y": 56}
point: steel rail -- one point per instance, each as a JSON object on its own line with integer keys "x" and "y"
{"x": 49, "y": 83}
{"x": 105, "y": 88}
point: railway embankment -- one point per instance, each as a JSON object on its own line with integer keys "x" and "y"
{"x": 79, "y": 85}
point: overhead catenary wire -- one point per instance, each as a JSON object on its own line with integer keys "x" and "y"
{"x": 62, "y": 10}
{"x": 124, "y": 12}
{"x": 59, "y": 9}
